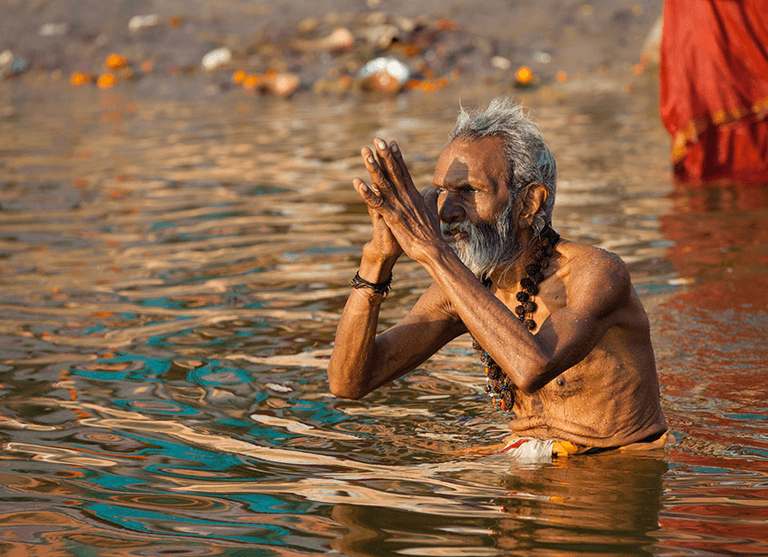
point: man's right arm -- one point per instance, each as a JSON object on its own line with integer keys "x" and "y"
{"x": 361, "y": 361}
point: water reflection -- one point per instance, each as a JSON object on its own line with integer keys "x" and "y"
{"x": 596, "y": 505}
{"x": 172, "y": 276}
{"x": 715, "y": 366}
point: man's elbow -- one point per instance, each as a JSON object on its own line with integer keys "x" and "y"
{"x": 528, "y": 387}
{"x": 534, "y": 378}
{"x": 345, "y": 390}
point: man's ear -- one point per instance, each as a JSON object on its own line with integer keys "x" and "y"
{"x": 534, "y": 198}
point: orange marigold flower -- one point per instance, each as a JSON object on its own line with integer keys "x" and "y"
{"x": 115, "y": 61}
{"x": 524, "y": 75}
{"x": 106, "y": 81}
{"x": 79, "y": 78}
{"x": 411, "y": 50}
{"x": 251, "y": 81}
{"x": 445, "y": 24}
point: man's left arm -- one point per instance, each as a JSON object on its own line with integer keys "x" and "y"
{"x": 597, "y": 300}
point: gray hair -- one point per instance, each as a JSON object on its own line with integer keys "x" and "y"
{"x": 529, "y": 159}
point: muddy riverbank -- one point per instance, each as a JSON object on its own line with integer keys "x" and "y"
{"x": 188, "y": 49}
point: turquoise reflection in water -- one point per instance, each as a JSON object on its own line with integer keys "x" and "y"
{"x": 165, "y": 340}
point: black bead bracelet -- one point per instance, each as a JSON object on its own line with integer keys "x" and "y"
{"x": 378, "y": 287}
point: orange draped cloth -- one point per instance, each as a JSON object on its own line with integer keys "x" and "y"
{"x": 714, "y": 88}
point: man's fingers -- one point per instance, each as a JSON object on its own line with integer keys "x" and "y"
{"x": 378, "y": 179}
{"x": 368, "y": 194}
{"x": 392, "y": 162}
{"x": 399, "y": 162}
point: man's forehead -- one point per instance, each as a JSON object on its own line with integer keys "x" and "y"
{"x": 483, "y": 147}
{"x": 471, "y": 156}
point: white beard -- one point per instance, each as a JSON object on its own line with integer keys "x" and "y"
{"x": 488, "y": 246}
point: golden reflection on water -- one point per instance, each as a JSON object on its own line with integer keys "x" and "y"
{"x": 172, "y": 276}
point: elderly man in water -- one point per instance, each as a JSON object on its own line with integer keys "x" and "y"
{"x": 562, "y": 333}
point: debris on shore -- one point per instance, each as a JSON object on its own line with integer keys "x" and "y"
{"x": 372, "y": 52}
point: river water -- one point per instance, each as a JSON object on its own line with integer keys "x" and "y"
{"x": 172, "y": 273}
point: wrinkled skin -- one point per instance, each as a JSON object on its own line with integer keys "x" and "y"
{"x": 586, "y": 374}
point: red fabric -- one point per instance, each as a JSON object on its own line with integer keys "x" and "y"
{"x": 714, "y": 88}
{"x": 516, "y": 445}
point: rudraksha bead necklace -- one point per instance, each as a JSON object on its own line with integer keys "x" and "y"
{"x": 498, "y": 386}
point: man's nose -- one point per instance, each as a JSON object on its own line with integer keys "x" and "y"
{"x": 449, "y": 210}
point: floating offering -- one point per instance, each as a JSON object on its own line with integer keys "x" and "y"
{"x": 501, "y": 63}
{"x": 139, "y": 22}
{"x": 385, "y": 75}
{"x": 53, "y": 29}
{"x": 79, "y": 78}
{"x": 115, "y": 62}
{"x": 428, "y": 86}
{"x": 106, "y": 81}
{"x": 445, "y": 24}
{"x": 524, "y": 75}
{"x": 283, "y": 84}
{"x": 251, "y": 82}
{"x": 340, "y": 39}
{"x": 216, "y": 58}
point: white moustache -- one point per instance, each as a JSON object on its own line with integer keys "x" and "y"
{"x": 455, "y": 232}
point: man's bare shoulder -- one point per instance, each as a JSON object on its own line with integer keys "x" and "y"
{"x": 593, "y": 274}
{"x": 583, "y": 259}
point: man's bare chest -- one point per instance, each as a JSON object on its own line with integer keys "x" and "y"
{"x": 551, "y": 298}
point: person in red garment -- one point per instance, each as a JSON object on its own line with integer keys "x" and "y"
{"x": 714, "y": 89}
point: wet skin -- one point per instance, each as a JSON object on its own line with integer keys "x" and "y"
{"x": 586, "y": 374}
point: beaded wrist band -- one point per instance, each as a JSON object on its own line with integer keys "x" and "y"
{"x": 377, "y": 287}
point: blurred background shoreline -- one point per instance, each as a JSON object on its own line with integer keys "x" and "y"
{"x": 188, "y": 49}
